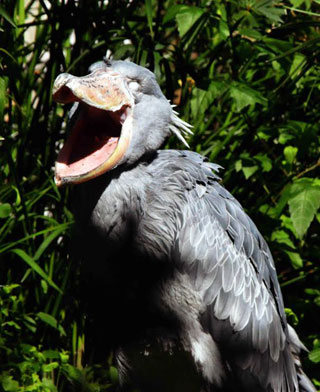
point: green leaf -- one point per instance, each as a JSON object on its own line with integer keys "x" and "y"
{"x": 51, "y": 237}
{"x": 250, "y": 33}
{"x": 113, "y": 373}
{"x": 297, "y": 63}
{"x": 187, "y": 17}
{"x": 249, "y": 171}
{"x": 5, "y": 210}
{"x": 50, "y": 320}
{"x": 3, "y": 94}
{"x": 295, "y": 259}
{"x": 8, "y": 384}
{"x": 282, "y": 237}
{"x": 7, "y": 17}
{"x": 238, "y": 165}
{"x": 314, "y": 355}
{"x": 293, "y": 318}
{"x": 36, "y": 268}
{"x": 149, "y": 9}
{"x": 50, "y": 366}
{"x": 266, "y": 162}
{"x": 304, "y": 203}
{"x": 267, "y": 9}
{"x": 315, "y": 293}
{"x": 290, "y": 153}
{"x": 201, "y": 100}
{"x": 287, "y": 223}
{"x": 51, "y": 354}
{"x": 73, "y": 373}
{"x": 6, "y": 247}
{"x": 285, "y": 137}
{"x": 297, "y": 3}
{"x": 171, "y": 12}
{"x": 245, "y": 96}
{"x": 224, "y": 29}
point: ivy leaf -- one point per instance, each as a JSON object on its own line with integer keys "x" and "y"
{"x": 249, "y": 171}
{"x": 266, "y": 162}
{"x": 304, "y": 203}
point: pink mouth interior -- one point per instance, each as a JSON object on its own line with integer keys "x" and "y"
{"x": 92, "y": 141}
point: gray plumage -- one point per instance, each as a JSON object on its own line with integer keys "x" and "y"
{"x": 190, "y": 279}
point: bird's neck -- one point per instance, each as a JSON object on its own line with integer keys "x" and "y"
{"x": 111, "y": 205}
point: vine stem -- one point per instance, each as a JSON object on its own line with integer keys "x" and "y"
{"x": 317, "y": 164}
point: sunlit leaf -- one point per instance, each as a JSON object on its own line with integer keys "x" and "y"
{"x": 249, "y": 171}
{"x": 314, "y": 355}
{"x": 292, "y": 317}
{"x": 266, "y": 162}
{"x": 297, "y": 63}
{"x": 304, "y": 203}
{"x": 295, "y": 259}
{"x": 50, "y": 320}
{"x": 297, "y": 3}
{"x": 8, "y": 384}
{"x": 5, "y": 210}
{"x": 3, "y": 93}
{"x": 282, "y": 237}
{"x": 49, "y": 367}
{"x": 290, "y": 153}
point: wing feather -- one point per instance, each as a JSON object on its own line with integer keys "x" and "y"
{"x": 230, "y": 265}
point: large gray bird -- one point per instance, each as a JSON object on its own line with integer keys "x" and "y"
{"x": 183, "y": 287}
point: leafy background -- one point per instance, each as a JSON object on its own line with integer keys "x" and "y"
{"x": 245, "y": 73}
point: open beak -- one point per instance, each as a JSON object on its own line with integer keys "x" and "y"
{"x": 101, "y": 133}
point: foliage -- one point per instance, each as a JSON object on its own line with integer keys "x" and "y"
{"x": 244, "y": 73}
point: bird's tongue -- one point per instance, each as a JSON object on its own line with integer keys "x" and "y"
{"x": 91, "y": 142}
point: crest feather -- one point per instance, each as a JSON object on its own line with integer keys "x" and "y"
{"x": 179, "y": 127}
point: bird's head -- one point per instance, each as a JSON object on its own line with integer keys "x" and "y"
{"x": 120, "y": 114}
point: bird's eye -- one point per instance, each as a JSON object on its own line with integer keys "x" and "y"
{"x": 134, "y": 86}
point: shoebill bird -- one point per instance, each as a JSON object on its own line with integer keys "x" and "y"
{"x": 182, "y": 286}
